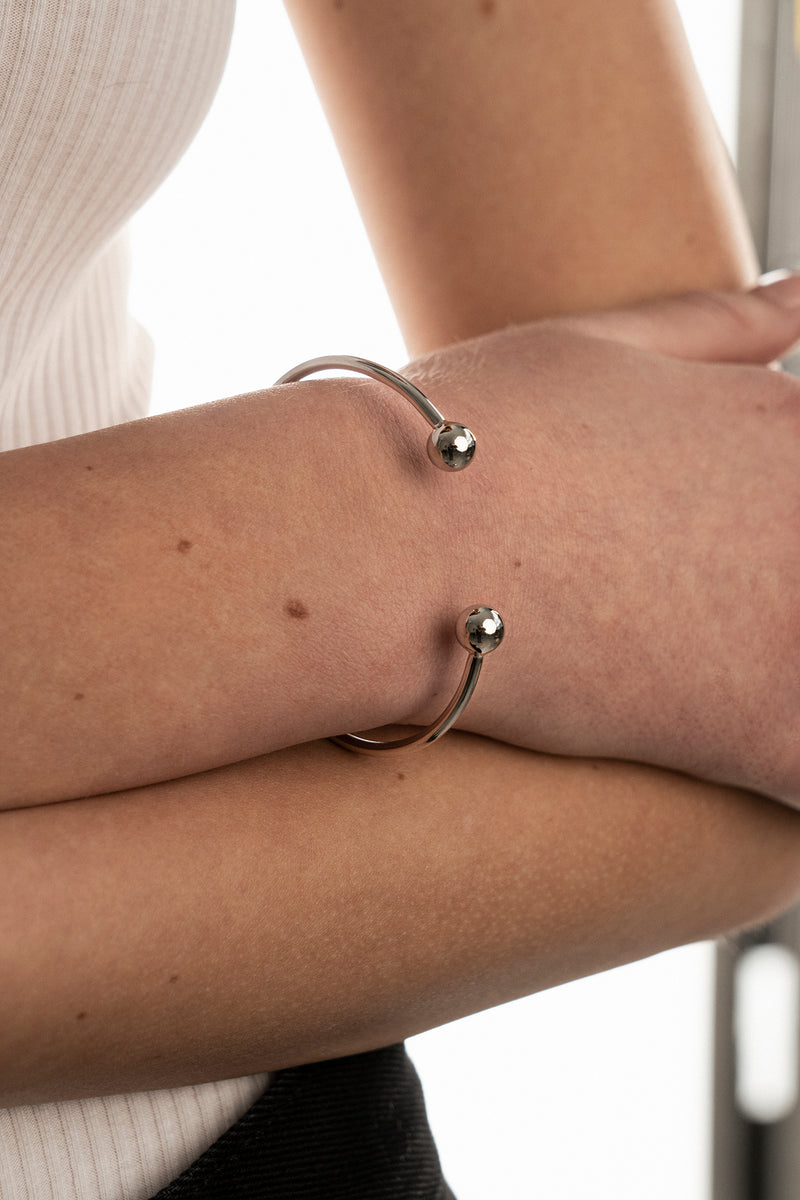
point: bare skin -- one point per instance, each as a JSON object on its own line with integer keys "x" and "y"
{"x": 257, "y": 917}
{"x": 541, "y": 871}
{"x": 631, "y": 514}
{"x": 516, "y": 159}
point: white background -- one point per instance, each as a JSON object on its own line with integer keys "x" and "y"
{"x": 249, "y": 259}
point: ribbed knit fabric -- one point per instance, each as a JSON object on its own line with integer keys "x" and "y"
{"x": 115, "y": 1147}
{"x": 98, "y": 100}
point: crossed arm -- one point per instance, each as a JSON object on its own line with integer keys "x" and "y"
{"x": 517, "y": 159}
{"x": 311, "y": 903}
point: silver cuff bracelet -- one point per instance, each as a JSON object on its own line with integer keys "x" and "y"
{"x": 479, "y": 629}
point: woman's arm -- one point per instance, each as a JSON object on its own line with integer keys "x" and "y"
{"x": 520, "y": 158}
{"x": 224, "y": 581}
{"x": 312, "y": 904}
{"x": 197, "y": 588}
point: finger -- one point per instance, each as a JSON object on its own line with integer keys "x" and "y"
{"x": 758, "y": 326}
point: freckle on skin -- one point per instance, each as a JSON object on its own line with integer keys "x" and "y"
{"x": 174, "y": 978}
{"x": 400, "y": 776}
{"x": 488, "y": 7}
{"x": 81, "y": 1016}
{"x": 517, "y": 562}
{"x": 88, "y": 468}
{"x": 296, "y": 608}
{"x": 184, "y": 546}
{"x": 78, "y": 696}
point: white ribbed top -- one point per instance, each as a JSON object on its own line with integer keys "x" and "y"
{"x": 115, "y": 1147}
{"x": 98, "y": 100}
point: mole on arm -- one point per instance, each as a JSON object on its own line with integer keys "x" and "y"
{"x": 296, "y": 608}
{"x": 81, "y": 1016}
{"x": 487, "y": 7}
{"x": 78, "y": 696}
{"x": 184, "y": 546}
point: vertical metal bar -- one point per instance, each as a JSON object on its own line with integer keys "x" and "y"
{"x": 753, "y": 1160}
{"x": 783, "y": 228}
{"x": 780, "y": 1167}
{"x": 735, "y": 1156}
{"x": 756, "y": 112}
{"x": 760, "y": 1160}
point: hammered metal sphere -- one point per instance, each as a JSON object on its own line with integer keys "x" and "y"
{"x": 480, "y": 629}
{"x": 451, "y": 446}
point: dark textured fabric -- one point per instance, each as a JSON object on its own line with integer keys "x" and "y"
{"x": 349, "y": 1129}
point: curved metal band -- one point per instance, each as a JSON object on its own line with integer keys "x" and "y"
{"x": 364, "y": 366}
{"x": 472, "y": 669}
{"x": 451, "y": 446}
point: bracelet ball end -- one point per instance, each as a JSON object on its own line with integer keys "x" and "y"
{"x": 451, "y": 447}
{"x": 480, "y": 629}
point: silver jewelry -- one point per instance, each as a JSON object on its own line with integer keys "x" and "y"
{"x": 451, "y": 447}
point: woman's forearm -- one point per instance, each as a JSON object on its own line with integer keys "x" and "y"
{"x": 183, "y": 591}
{"x": 312, "y": 904}
{"x": 197, "y": 588}
{"x": 520, "y": 158}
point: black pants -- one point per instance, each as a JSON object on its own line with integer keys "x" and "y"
{"x": 349, "y": 1129}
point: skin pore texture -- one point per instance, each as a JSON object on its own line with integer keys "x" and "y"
{"x": 312, "y": 903}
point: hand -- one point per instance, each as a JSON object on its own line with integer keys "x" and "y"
{"x": 633, "y": 514}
